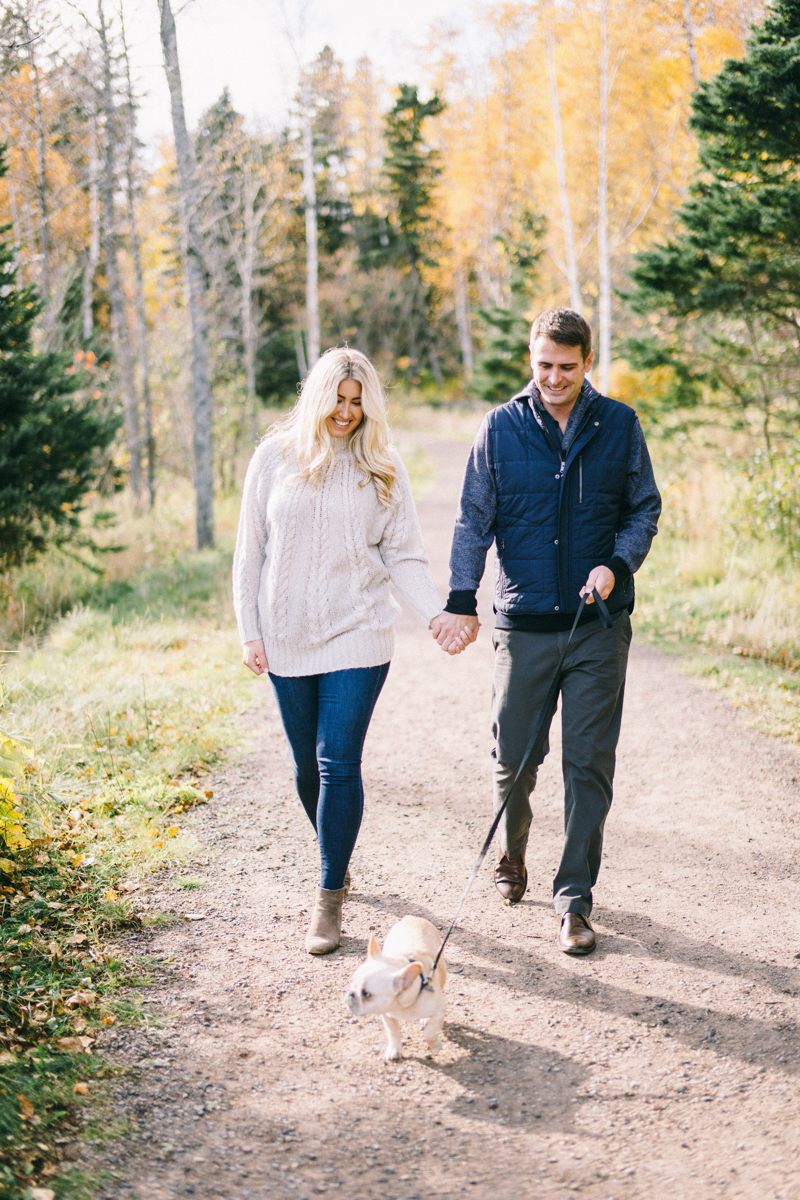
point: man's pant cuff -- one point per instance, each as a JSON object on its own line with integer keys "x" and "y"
{"x": 583, "y": 908}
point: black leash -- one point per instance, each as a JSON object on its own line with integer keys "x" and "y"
{"x": 545, "y": 716}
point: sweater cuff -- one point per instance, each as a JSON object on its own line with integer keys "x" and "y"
{"x": 619, "y": 567}
{"x": 464, "y": 604}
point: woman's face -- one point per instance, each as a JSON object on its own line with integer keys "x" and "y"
{"x": 348, "y": 413}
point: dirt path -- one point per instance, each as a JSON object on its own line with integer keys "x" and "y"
{"x": 666, "y": 1065}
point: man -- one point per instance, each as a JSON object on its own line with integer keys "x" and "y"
{"x": 560, "y": 480}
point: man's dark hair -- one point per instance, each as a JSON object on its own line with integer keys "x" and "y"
{"x": 564, "y": 326}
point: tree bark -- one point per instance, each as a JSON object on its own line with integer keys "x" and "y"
{"x": 603, "y": 251}
{"x": 93, "y": 252}
{"x": 119, "y": 318}
{"x": 570, "y": 255}
{"x": 193, "y": 267}
{"x": 688, "y": 25}
{"x": 136, "y": 253}
{"x": 41, "y": 178}
{"x": 312, "y": 240}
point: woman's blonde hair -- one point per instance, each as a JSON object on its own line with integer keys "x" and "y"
{"x": 305, "y": 429}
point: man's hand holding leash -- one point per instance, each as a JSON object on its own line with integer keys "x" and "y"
{"x": 601, "y": 578}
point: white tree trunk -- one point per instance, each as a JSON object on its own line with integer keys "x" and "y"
{"x": 570, "y": 255}
{"x": 93, "y": 254}
{"x": 116, "y": 294}
{"x": 136, "y": 253}
{"x": 300, "y": 352}
{"x": 195, "y": 286}
{"x": 462, "y": 320}
{"x": 41, "y": 179}
{"x": 251, "y": 221}
{"x": 603, "y": 251}
{"x": 312, "y": 247}
{"x": 688, "y": 25}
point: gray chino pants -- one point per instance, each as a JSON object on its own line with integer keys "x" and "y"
{"x": 592, "y": 690}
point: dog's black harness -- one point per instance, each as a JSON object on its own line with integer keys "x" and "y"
{"x": 545, "y": 716}
{"x": 425, "y": 984}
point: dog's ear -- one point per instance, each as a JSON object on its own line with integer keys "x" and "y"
{"x": 373, "y": 948}
{"x": 403, "y": 980}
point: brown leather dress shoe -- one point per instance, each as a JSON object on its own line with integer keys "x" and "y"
{"x": 511, "y": 878}
{"x": 576, "y": 935}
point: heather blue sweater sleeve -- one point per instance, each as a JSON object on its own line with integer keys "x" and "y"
{"x": 475, "y": 525}
{"x": 641, "y": 507}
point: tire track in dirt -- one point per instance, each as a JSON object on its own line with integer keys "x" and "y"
{"x": 664, "y": 1065}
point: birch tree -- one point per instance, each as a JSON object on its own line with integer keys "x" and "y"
{"x": 136, "y": 255}
{"x": 119, "y": 317}
{"x": 312, "y": 231}
{"x": 195, "y": 286}
{"x": 570, "y": 265}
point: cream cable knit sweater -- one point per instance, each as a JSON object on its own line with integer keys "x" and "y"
{"x": 312, "y": 567}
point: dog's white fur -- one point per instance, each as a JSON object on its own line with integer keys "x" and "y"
{"x": 388, "y": 983}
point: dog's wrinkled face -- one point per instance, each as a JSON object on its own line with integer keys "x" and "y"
{"x": 377, "y": 985}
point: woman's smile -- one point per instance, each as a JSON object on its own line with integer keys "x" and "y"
{"x": 348, "y": 412}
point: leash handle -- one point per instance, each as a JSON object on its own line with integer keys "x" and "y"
{"x": 545, "y": 716}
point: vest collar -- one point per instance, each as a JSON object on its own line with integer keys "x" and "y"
{"x": 582, "y": 410}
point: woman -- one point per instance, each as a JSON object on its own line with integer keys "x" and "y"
{"x": 327, "y": 520}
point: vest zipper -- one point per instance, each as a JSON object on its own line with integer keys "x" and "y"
{"x": 580, "y": 479}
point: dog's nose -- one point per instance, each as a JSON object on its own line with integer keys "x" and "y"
{"x": 350, "y": 1000}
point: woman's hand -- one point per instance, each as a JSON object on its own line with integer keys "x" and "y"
{"x": 254, "y": 656}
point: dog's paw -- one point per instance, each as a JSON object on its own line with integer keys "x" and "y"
{"x": 392, "y": 1054}
{"x": 434, "y": 1044}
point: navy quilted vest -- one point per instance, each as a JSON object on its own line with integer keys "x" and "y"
{"x": 556, "y": 520}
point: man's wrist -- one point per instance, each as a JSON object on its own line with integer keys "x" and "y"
{"x": 463, "y": 603}
{"x": 618, "y": 568}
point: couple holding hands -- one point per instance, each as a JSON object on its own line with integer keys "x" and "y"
{"x": 560, "y": 480}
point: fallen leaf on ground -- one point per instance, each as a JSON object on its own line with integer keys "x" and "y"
{"x": 193, "y": 916}
{"x": 42, "y": 1194}
{"x": 7, "y": 1057}
{"x": 80, "y": 998}
{"x": 74, "y": 1045}
{"x": 25, "y": 929}
{"x": 25, "y": 1107}
{"x": 81, "y": 1089}
{"x": 76, "y": 939}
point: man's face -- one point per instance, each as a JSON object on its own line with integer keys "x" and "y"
{"x": 559, "y": 372}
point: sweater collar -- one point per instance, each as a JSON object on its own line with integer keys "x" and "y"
{"x": 586, "y": 397}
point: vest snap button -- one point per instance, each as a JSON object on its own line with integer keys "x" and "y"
{"x": 556, "y": 608}
{"x": 558, "y": 476}
{"x": 555, "y": 543}
{"x": 597, "y": 422}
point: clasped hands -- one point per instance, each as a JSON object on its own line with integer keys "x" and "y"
{"x": 454, "y": 632}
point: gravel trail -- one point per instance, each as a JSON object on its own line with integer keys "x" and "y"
{"x": 663, "y": 1066}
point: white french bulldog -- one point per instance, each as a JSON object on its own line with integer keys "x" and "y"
{"x": 396, "y": 982}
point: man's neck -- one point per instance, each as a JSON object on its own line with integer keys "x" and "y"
{"x": 560, "y": 413}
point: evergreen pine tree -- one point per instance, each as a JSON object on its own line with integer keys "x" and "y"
{"x": 734, "y": 268}
{"x": 52, "y": 439}
{"x": 504, "y": 365}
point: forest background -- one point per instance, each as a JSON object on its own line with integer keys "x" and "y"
{"x": 634, "y": 159}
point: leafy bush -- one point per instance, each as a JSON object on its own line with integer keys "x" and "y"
{"x": 770, "y": 503}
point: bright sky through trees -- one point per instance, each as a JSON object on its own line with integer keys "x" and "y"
{"x": 239, "y": 44}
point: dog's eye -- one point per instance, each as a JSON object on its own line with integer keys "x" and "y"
{"x": 365, "y": 995}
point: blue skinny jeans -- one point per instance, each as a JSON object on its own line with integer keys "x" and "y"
{"x": 325, "y": 718}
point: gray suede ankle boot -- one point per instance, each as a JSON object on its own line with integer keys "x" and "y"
{"x": 325, "y": 931}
